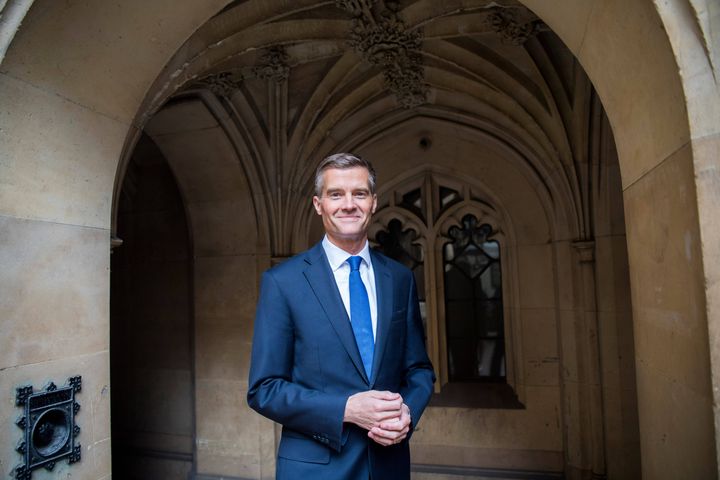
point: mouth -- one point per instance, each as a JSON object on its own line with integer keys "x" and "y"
{"x": 349, "y": 219}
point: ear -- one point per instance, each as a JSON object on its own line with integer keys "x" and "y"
{"x": 316, "y": 204}
{"x": 374, "y": 205}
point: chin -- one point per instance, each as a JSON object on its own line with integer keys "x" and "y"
{"x": 349, "y": 234}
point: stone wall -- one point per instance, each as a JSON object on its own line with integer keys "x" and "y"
{"x": 72, "y": 85}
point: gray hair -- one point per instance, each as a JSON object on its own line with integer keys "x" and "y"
{"x": 343, "y": 161}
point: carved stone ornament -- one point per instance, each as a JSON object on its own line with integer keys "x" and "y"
{"x": 222, "y": 84}
{"x": 48, "y": 425}
{"x": 273, "y": 65}
{"x": 382, "y": 39}
{"x": 513, "y": 29}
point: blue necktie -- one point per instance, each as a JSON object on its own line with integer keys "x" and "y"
{"x": 360, "y": 315}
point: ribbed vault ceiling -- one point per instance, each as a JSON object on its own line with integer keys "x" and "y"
{"x": 299, "y": 79}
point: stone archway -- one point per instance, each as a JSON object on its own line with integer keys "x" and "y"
{"x": 151, "y": 324}
{"x": 659, "y": 168}
{"x": 69, "y": 104}
{"x": 227, "y": 255}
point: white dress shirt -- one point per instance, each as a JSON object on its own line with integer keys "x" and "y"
{"x": 341, "y": 271}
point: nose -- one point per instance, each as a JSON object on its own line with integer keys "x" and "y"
{"x": 348, "y": 202}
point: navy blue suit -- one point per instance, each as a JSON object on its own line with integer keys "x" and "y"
{"x": 305, "y": 364}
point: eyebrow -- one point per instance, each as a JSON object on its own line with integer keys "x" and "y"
{"x": 337, "y": 190}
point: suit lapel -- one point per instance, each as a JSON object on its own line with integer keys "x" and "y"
{"x": 384, "y": 290}
{"x": 322, "y": 282}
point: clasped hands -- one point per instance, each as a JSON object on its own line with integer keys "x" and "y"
{"x": 382, "y": 414}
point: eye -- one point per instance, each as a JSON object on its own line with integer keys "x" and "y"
{"x": 335, "y": 196}
{"x": 361, "y": 195}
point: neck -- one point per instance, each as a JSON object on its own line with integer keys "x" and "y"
{"x": 353, "y": 246}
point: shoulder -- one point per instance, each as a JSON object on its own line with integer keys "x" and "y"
{"x": 296, "y": 264}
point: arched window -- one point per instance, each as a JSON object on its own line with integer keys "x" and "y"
{"x": 473, "y": 303}
{"x": 399, "y": 245}
{"x": 451, "y": 237}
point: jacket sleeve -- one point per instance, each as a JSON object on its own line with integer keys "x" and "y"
{"x": 419, "y": 376}
{"x": 271, "y": 390}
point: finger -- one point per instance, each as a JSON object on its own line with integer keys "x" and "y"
{"x": 396, "y": 423}
{"x": 385, "y": 442}
{"x": 387, "y": 438}
{"x": 386, "y": 395}
{"x": 405, "y": 415}
{"x": 388, "y": 416}
{"x": 394, "y": 426}
{"x": 382, "y": 420}
{"x": 393, "y": 435}
{"x": 388, "y": 405}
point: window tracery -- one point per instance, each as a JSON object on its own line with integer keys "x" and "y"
{"x": 453, "y": 241}
{"x": 473, "y": 303}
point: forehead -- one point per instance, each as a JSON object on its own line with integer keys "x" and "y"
{"x": 346, "y": 178}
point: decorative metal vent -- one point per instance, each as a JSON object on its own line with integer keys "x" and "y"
{"x": 48, "y": 424}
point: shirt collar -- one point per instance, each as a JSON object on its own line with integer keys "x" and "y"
{"x": 337, "y": 256}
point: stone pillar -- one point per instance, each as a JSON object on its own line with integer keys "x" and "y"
{"x": 580, "y": 361}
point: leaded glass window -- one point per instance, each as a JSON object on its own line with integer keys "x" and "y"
{"x": 399, "y": 245}
{"x": 451, "y": 239}
{"x": 473, "y": 303}
{"x": 448, "y": 197}
{"x": 412, "y": 201}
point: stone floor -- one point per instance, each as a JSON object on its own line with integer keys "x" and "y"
{"x": 445, "y": 476}
{"x": 482, "y": 475}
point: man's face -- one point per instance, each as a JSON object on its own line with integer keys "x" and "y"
{"x": 346, "y": 204}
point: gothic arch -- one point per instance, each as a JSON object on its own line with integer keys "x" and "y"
{"x": 70, "y": 104}
{"x": 484, "y": 205}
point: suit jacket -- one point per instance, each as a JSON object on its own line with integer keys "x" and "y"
{"x": 305, "y": 364}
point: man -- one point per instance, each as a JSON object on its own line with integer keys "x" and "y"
{"x": 338, "y": 352}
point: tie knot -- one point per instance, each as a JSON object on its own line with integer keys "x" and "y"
{"x": 354, "y": 262}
